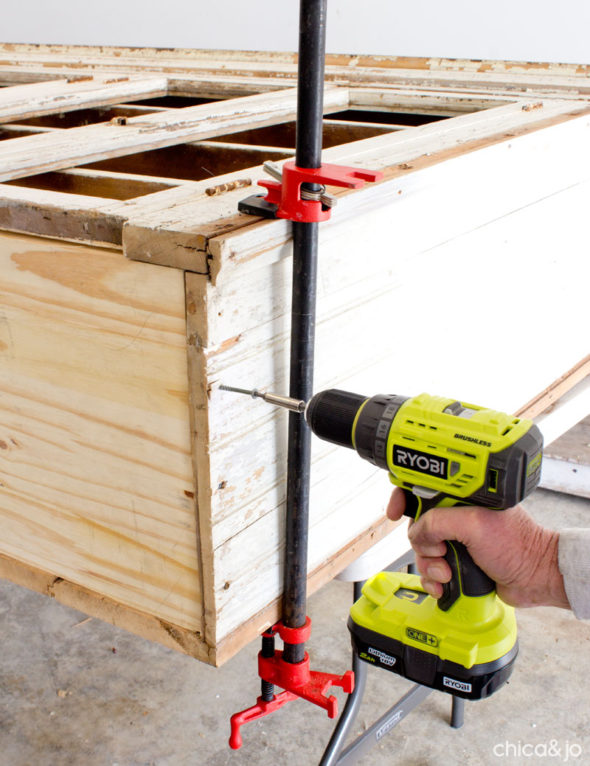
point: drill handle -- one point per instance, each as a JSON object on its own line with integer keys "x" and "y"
{"x": 467, "y": 579}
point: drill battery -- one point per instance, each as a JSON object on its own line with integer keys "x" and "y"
{"x": 468, "y": 651}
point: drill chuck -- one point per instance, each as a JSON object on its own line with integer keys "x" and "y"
{"x": 331, "y": 415}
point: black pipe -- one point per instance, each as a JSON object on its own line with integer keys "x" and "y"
{"x": 310, "y": 83}
{"x": 310, "y": 98}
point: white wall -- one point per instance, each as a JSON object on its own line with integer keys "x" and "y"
{"x": 534, "y": 30}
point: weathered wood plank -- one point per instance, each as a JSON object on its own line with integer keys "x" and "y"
{"x": 56, "y": 214}
{"x": 574, "y": 445}
{"x": 426, "y": 101}
{"x": 252, "y": 628}
{"x": 169, "y": 233}
{"x": 17, "y": 131}
{"x": 264, "y": 70}
{"x": 54, "y": 151}
{"x": 152, "y": 233}
{"x": 22, "y": 101}
{"x": 192, "y": 162}
{"x": 95, "y": 451}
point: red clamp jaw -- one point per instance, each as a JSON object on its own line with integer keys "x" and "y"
{"x": 298, "y": 681}
{"x": 286, "y": 199}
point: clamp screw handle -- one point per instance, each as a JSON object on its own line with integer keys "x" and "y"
{"x": 327, "y": 200}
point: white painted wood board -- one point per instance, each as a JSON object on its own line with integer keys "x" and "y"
{"x": 34, "y": 99}
{"x": 20, "y": 157}
{"x": 467, "y": 283}
{"x": 566, "y": 461}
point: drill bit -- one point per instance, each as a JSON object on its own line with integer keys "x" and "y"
{"x": 295, "y": 405}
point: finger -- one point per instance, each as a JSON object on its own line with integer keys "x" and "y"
{"x": 428, "y": 550}
{"x": 396, "y": 505}
{"x": 441, "y": 524}
{"x": 435, "y": 569}
{"x": 432, "y": 587}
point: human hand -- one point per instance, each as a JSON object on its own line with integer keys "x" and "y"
{"x": 510, "y": 547}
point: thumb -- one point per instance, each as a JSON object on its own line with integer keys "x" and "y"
{"x": 397, "y": 504}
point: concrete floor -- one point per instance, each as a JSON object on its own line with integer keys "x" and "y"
{"x": 80, "y": 692}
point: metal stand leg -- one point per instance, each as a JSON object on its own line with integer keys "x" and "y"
{"x": 388, "y": 721}
{"x": 345, "y": 722}
{"x": 458, "y": 712}
{"x": 351, "y": 708}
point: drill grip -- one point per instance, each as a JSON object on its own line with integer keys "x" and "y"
{"x": 467, "y": 579}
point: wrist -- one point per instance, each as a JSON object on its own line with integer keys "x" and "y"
{"x": 557, "y": 584}
{"x": 546, "y": 586}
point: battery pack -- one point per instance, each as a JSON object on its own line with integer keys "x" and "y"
{"x": 468, "y": 651}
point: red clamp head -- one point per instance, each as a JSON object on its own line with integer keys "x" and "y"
{"x": 286, "y": 198}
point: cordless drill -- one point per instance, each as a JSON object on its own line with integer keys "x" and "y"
{"x": 441, "y": 452}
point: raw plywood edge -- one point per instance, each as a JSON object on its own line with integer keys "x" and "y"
{"x": 91, "y": 603}
{"x": 545, "y": 400}
{"x": 256, "y": 625}
{"x": 196, "y": 341}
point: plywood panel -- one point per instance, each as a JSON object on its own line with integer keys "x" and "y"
{"x": 96, "y": 483}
